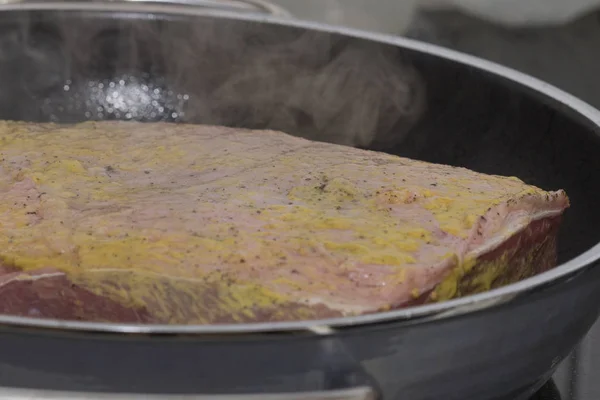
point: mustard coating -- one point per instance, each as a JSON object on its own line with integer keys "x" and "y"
{"x": 138, "y": 212}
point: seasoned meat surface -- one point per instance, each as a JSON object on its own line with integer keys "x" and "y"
{"x": 189, "y": 224}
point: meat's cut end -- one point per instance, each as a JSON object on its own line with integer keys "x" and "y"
{"x": 186, "y": 224}
{"x": 527, "y": 253}
{"x": 54, "y": 296}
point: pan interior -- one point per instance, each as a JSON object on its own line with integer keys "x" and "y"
{"x": 68, "y": 66}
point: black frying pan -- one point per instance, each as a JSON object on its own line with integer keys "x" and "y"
{"x": 74, "y": 61}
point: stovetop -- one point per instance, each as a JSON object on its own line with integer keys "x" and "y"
{"x": 578, "y": 377}
{"x": 549, "y": 392}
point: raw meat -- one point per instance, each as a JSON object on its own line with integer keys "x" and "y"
{"x": 185, "y": 224}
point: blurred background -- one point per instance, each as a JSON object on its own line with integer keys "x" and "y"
{"x": 555, "y": 40}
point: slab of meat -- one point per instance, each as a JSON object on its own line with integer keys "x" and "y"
{"x": 165, "y": 223}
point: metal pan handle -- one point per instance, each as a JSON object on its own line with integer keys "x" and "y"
{"x": 263, "y": 7}
{"x": 357, "y": 393}
{"x": 252, "y": 6}
{"x": 343, "y": 379}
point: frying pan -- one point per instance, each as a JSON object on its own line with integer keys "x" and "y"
{"x": 171, "y": 61}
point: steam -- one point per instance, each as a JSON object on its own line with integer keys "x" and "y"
{"x": 58, "y": 66}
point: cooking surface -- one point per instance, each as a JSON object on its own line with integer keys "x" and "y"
{"x": 576, "y": 378}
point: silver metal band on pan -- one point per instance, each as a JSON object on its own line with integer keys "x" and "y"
{"x": 358, "y": 393}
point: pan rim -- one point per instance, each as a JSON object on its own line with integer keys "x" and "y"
{"x": 411, "y": 315}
